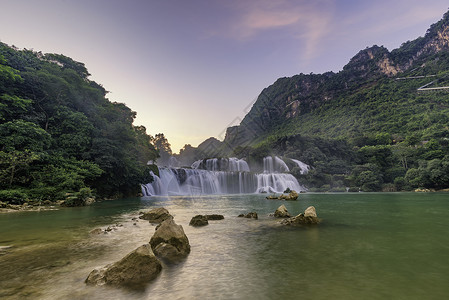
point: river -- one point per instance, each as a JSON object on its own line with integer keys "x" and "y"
{"x": 369, "y": 246}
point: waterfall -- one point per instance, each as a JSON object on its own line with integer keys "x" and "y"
{"x": 277, "y": 183}
{"x": 274, "y": 165}
{"x": 231, "y": 164}
{"x": 222, "y": 176}
{"x": 304, "y": 167}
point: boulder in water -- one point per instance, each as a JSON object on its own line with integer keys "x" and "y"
{"x": 282, "y": 212}
{"x": 134, "y": 270}
{"x": 176, "y": 242}
{"x": 156, "y": 215}
{"x": 250, "y": 215}
{"x": 214, "y": 217}
{"x": 307, "y": 218}
{"x": 293, "y": 195}
{"x": 199, "y": 220}
{"x": 310, "y": 212}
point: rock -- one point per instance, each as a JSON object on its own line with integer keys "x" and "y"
{"x": 202, "y": 220}
{"x": 250, "y": 215}
{"x": 309, "y": 217}
{"x": 310, "y": 212}
{"x": 300, "y": 220}
{"x": 293, "y": 195}
{"x": 96, "y": 231}
{"x": 422, "y": 190}
{"x": 156, "y": 215}
{"x": 272, "y": 197}
{"x": 134, "y": 270}
{"x": 167, "y": 252}
{"x": 214, "y": 217}
{"x": 170, "y": 233}
{"x": 89, "y": 201}
{"x": 287, "y": 191}
{"x": 5, "y": 249}
{"x": 198, "y": 220}
{"x": 282, "y": 212}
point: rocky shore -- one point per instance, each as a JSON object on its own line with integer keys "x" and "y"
{"x": 8, "y": 208}
{"x": 169, "y": 245}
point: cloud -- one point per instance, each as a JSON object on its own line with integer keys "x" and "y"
{"x": 260, "y": 19}
{"x": 307, "y": 22}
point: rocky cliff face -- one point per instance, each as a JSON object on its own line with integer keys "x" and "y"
{"x": 291, "y": 98}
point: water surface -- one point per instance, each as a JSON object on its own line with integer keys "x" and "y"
{"x": 369, "y": 246}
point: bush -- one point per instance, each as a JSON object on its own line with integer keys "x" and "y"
{"x": 46, "y": 193}
{"x": 389, "y": 187}
{"x": 13, "y": 197}
{"x": 78, "y": 198}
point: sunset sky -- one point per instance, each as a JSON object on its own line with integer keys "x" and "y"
{"x": 192, "y": 68}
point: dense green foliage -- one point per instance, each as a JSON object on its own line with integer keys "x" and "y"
{"x": 60, "y": 135}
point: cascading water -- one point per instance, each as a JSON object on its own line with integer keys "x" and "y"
{"x": 274, "y": 165}
{"x": 231, "y": 164}
{"x": 304, "y": 167}
{"x": 222, "y": 176}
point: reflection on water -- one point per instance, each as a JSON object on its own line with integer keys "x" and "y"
{"x": 369, "y": 246}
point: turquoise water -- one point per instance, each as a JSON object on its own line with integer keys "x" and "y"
{"x": 369, "y": 246}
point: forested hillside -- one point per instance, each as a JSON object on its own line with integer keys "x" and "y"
{"x": 382, "y": 123}
{"x": 60, "y": 137}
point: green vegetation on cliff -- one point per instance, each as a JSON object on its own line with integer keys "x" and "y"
{"x": 60, "y": 135}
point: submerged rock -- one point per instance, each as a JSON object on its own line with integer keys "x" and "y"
{"x": 281, "y": 212}
{"x": 309, "y": 217}
{"x": 198, "y": 220}
{"x": 156, "y": 215}
{"x": 96, "y": 231}
{"x": 174, "y": 242}
{"x": 250, "y": 215}
{"x": 134, "y": 270}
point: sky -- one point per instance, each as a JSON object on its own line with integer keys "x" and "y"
{"x": 190, "y": 69}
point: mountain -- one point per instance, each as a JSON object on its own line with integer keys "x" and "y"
{"x": 382, "y": 123}
{"x": 340, "y": 105}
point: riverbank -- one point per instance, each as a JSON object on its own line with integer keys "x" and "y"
{"x": 11, "y": 208}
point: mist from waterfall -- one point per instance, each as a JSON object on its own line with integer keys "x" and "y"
{"x": 223, "y": 176}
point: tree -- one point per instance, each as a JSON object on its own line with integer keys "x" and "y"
{"x": 21, "y": 135}
{"x": 11, "y": 163}
{"x": 163, "y": 147}
{"x": 59, "y": 134}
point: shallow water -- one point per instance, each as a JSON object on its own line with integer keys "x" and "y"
{"x": 369, "y": 246}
